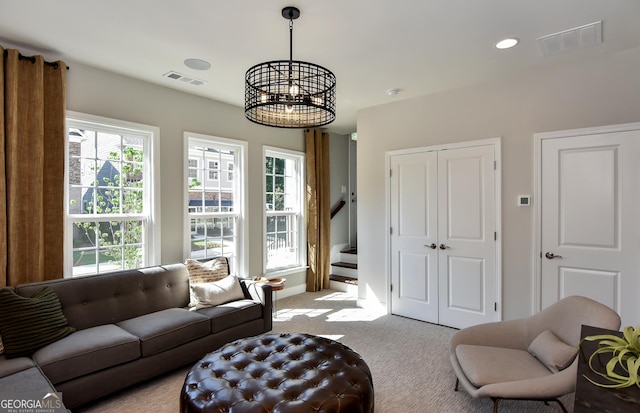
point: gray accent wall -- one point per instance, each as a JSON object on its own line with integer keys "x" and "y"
{"x": 603, "y": 89}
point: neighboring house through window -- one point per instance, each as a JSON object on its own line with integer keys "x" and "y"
{"x": 284, "y": 210}
{"x": 110, "y": 218}
{"x": 215, "y": 207}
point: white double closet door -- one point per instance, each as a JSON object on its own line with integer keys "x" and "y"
{"x": 444, "y": 257}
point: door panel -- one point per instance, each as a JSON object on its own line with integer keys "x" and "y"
{"x": 466, "y": 279}
{"x": 414, "y": 219}
{"x": 590, "y": 203}
{"x": 466, "y": 225}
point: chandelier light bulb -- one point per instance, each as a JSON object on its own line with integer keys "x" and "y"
{"x": 294, "y": 90}
{"x": 317, "y": 100}
{"x": 263, "y": 98}
{"x": 288, "y": 108}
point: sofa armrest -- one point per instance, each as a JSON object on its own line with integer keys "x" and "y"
{"x": 260, "y": 292}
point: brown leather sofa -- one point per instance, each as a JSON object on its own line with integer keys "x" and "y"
{"x": 131, "y": 326}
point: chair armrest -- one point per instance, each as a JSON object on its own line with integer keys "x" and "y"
{"x": 508, "y": 334}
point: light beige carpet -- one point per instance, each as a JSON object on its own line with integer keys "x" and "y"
{"x": 408, "y": 359}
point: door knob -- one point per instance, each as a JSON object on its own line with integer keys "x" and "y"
{"x": 443, "y": 247}
{"x": 432, "y": 246}
{"x": 551, "y": 255}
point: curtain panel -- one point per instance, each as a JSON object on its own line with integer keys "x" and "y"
{"x": 318, "y": 209}
{"x": 32, "y": 141}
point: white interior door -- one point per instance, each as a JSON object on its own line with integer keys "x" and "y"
{"x": 442, "y": 243}
{"x": 414, "y": 235}
{"x": 590, "y": 243}
{"x": 466, "y": 236}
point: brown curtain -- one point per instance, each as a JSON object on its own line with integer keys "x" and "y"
{"x": 318, "y": 209}
{"x": 32, "y": 140}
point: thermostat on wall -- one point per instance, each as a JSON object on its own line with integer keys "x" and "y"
{"x": 524, "y": 200}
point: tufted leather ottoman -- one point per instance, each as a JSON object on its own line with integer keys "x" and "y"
{"x": 280, "y": 373}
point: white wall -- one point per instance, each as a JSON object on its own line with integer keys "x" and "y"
{"x": 600, "y": 90}
{"x": 339, "y": 176}
{"x": 102, "y": 93}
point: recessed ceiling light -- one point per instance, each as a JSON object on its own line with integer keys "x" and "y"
{"x": 507, "y": 43}
{"x": 197, "y": 64}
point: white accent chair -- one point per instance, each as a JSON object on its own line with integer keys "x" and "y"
{"x": 532, "y": 358}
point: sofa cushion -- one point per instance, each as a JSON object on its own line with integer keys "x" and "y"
{"x": 216, "y": 292}
{"x": 29, "y": 323}
{"x": 166, "y": 329}
{"x": 14, "y": 365}
{"x": 487, "y": 365}
{"x": 28, "y": 380}
{"x": 87, "y": 351}
{"x": 554, "y": 353}
{"x": 232, "y": 314}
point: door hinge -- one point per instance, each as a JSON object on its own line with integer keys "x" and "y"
{"x": 390, "y": 230}
{"x": 495, "y": 165}
{"x": 495, "y": 236}
{"x": 391, "y": 287}
{"x": 495, "y": 306}
{"x": 390, "y": 172}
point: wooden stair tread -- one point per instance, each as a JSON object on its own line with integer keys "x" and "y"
{"x": 344, "y": 279}
{"x": 345, "y": 265}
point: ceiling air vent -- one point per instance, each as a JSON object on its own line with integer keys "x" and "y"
{"x": 572, "y": 39}
{"x": 184, "y": 78}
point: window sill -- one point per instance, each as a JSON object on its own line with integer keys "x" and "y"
{"x": 285, "y": 271}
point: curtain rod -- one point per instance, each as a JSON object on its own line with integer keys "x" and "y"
{"x": 32, "y": 59}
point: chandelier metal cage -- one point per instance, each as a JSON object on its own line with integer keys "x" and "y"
{"x": 290, "y": 93}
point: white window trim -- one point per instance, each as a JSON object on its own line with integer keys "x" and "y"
{"x": 302, "y": 231}
{"x": 242, "y": 228}
{"x": 152, "y": 235}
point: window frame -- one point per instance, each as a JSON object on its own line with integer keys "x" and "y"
{"x": 240, "y": 268}
{"x": 300, "y": 159}
{"x": 151, "y": 189}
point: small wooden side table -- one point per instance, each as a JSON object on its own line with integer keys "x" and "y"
{"x": 277, "y": 284}
{"x": 590, "y": 398}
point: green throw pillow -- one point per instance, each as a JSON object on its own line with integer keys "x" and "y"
{"x": 27, "y": 324}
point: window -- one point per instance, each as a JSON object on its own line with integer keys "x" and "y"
{"x": 193, "y": 169}
{"x": 213, "y": 170}
{"x": 215, "y": 207}
{"x": 110, "y": 193}
{"x": 230, "y": 173}
{"x": 284, "y": 210}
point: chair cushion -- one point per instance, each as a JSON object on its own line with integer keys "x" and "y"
{"x": 166, "y": 329}
{"x": 552, "y": 352}
{"x": 488, "y": 365}
{"x": 232, "y": 314}
{"x": 86, "y": 351}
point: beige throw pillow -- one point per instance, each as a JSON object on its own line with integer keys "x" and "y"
{"x": 1, "y": 346}
{"x": 204, "y": 272}
{"x": 554, "y": 353}
{"x": 215, "y": 293}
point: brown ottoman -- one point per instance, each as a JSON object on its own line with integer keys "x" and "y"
{"x": 279, "y": 373}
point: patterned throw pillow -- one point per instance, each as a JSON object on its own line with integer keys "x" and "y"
{"x": 28, "y": 324}
{"x": 205, "y": 272}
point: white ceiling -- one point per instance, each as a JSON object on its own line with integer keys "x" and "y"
{"x": 417, "y": 46}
